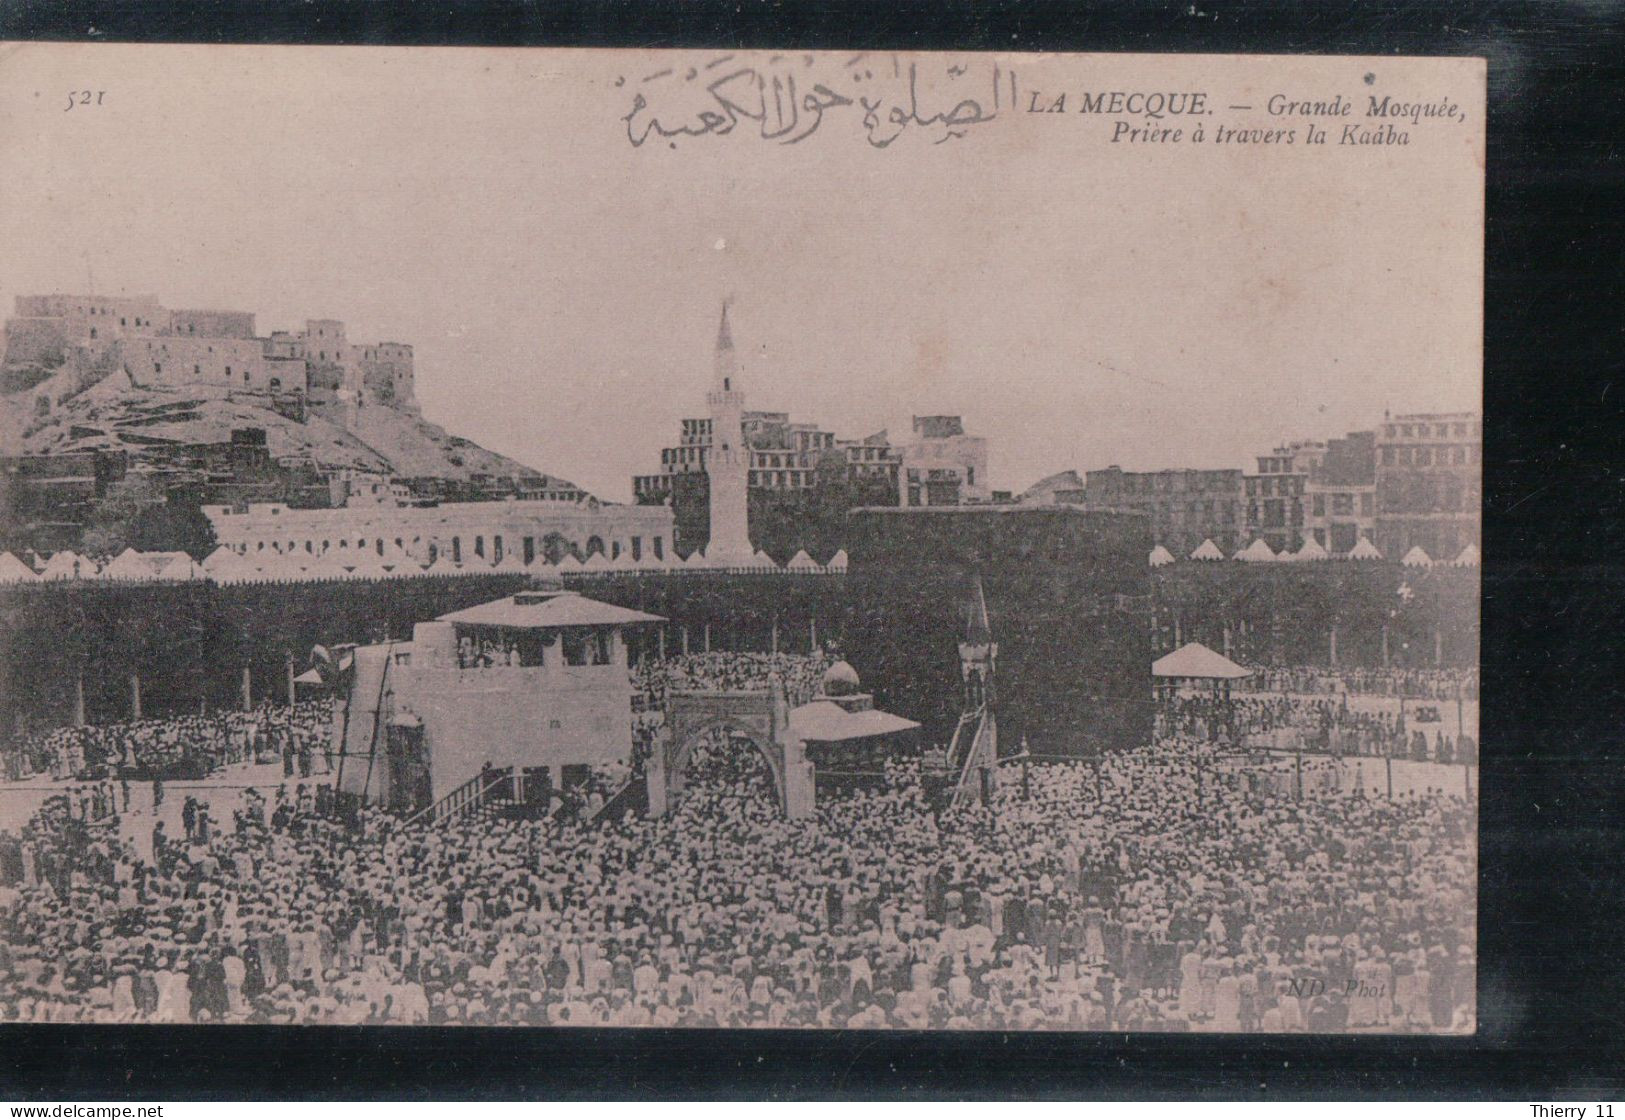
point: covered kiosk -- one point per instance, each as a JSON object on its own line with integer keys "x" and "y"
{"x": 844, "y": 736}
{"x": 1195, "y": 666}
{"x": 533, "y": 682}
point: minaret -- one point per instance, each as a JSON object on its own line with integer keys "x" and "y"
{"x": 728, "y": 462}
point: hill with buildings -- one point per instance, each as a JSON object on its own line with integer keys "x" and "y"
{"x": 202, "y": 409}
{"x": 150, "y": 421}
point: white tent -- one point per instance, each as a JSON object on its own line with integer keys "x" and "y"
{"x": 763, "y": 560}
{"x": 442, "y": 566}
{"x": 182, "y": 568}
{"x": 1256, "y": 553}
{"x": 837, "y": 563}
{"x": 13, "y": 570}
{"x": 221, "y": 556}
{"x": 1160, "y": 556}
{"x": 128, "y": 565}
{"x": 568, "y": 562}
{"x": 1207, "y": 550}
{"x": 1364, "y": 550}
{"x": 511, "y": 561}
{"x": 1312, "y": 550}
{"x": 597, "y": 562}
{"x": 1416, "y": 558}
{"x": 66, "y": 564}
{"x": 1468, "y": 557}
{"x": 801, "y": 562}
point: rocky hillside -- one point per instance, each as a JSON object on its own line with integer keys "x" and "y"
{"x": 110, "y": 415}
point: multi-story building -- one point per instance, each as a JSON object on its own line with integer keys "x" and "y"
{"x": 1186, "y": 506}
{"x": 1429, "y": 488}
{"x": 933, "y": 468}
{"x": 801, "y": 478}
{"x": 1341, "y": 493}
{"x": 46, "y": 499}
{"x": 1275, "y": 495}
{"x": 941, "y": 465}
{"x": 156, "y": 346}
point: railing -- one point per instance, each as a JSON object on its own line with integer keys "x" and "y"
{"x": 965, "y": 789}
{"x": 472, "y": 795}
{"x": 963, "y": 739}
{"x": 632, "y": 797}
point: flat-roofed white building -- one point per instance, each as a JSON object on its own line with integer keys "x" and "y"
{"x": 469, "y": 533}
{"x": 537, "y": 680}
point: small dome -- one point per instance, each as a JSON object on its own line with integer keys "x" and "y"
{"x": 840, "y": 679}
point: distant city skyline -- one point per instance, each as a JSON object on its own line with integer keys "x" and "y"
{"x": 560, "y": 287}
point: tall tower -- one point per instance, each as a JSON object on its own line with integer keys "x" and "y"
{"x": 728, "y": 463}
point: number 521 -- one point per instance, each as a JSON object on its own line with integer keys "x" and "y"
{"x": 84, "y": 97}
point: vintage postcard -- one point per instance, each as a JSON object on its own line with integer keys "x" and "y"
{"x": 739, "y": 539}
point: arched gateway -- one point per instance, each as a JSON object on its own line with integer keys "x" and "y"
{"x": 762, "y": 717}
{"x": 795, "y": 743}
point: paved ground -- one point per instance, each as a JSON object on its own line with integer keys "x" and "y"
{"x": 224, "y": 791}
{"x": 1390, "y": 704}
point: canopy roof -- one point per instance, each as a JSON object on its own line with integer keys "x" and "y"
{"x": 13, "y": 570}
{"x": 824, "y": 721}
{"x": 1195, "y": 661}
{"x": 1207, "y": 550}
{"x": 1364, "y": 550}
{"x": 1257, "y": 552}
{"x": 837, "y": 563}
{"x": 1160, "y": 556}
{"x": 129, "y": 564}
{"x": 221, "y": 555}
{"x": 1468, "y": 557}
{"x": 801, "y": 562}
{"x": 181, "y": 567}
{"x": 68, "y": 565}
{"x": 538, "y": 610}
{"x": 1312, "y": 550}
{"x": 1416, "y": 558}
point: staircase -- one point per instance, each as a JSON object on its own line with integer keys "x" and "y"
{"x": 974, "y": 746}
{"x": 489, "y": 789}
{"x": 633, "y": 797}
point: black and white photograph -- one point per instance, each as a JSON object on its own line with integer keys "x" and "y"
{"x": 731, "y": 539}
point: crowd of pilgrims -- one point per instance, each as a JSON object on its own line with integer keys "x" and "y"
{"x": 1419, "y": 684}
{"x": 1136, "y": 894}
{"x": 799, "y": 674}
{"x": 191, "y": 746}
{"x": 1325, "y": 725}
{"x": 299, "y": 735}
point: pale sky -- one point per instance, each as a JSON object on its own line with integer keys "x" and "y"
{"x": 1079, "y": 302}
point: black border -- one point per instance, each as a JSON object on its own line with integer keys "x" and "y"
{"x": 1551, "y": 919}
